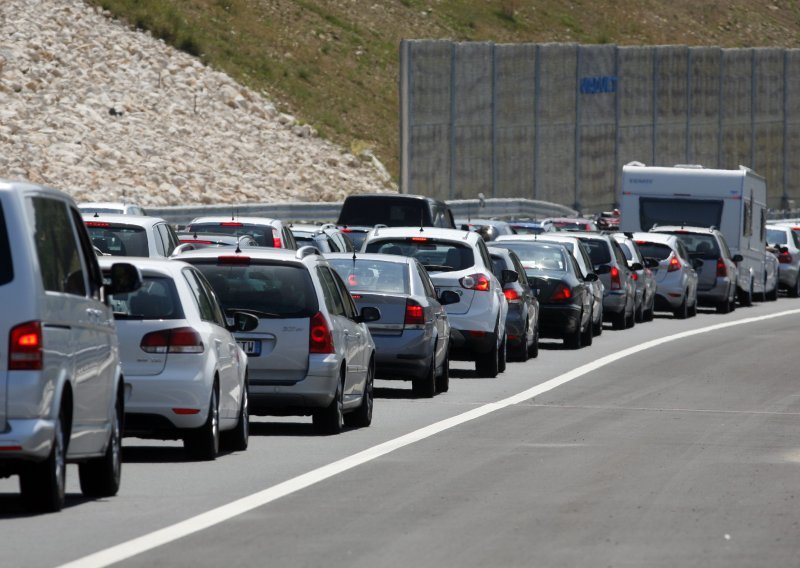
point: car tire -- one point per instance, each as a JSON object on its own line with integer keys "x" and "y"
{"x": 794, "y": 291}
{"x": 746, "y": 298}
{"x": 693, "y": 309}
{"x": 502, "y": 355}
{"x": 620, "y": 319}
{"x": 43, "y": 484}
{"x": 443, "y": 378}
{"x": 650, "y": 313}
{"x": 682, "y": 311}
{"x": 330, "y": 420}
{"x": 772, "y": 296}
{"x": 486, "y": 364}
{"x": 597, "y": 328}
{"x": 573, "y": 340}
{"x": 533, "y": 350}
{"x": 724, "y": 307}
{"x": 238, "y": 439}
{"x": 630, "y": 321}
{"x": 425, "y": 387}
{"x": 639, "y": 314}
{"x": 203, "y": 444}
{"x": 361, "y": 417}
{"x": 519, "y": 353}
{"x": 100, "y": 477}
{"x": 588, "y": 333}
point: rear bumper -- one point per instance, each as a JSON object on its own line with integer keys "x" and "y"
{"x": 718, "y": 293}
{"x": 787, "y": 275}
{"x": 465, "y": 345}
{"x": 404, "y": 357}
{"x": 25, "y": 441}
{"x": 298, "y": 397}
{"x": 558, "y": 321}
{"x": 614, "y": 302}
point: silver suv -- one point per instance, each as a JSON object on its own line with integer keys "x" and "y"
{"x": 61, "y": 387}
{"x": 312, "y": 352}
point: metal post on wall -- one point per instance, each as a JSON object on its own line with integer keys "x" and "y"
{"x": 655, "y": 105}
{"x": 617, "y": 165}
{"x": 753, "y": 91}
{"x": 688, "y": 138}
{"x": 721, "y": 109}
{"x": 451, "y": 179}
{"x": 577, "y": 205}
{"x": 537, "y": 90}
{"x": 494, "y": 120}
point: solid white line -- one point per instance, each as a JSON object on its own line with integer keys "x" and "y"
{"x": 221, "y": 514}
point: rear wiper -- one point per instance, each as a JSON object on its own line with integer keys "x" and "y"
{"x": 438, "y": 267}
{"x": 258, "y": 313}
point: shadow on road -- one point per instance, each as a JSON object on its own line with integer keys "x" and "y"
{"x": 12, "y": 507}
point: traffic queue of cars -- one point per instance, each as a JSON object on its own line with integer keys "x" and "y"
{"x": 119, "y": 326}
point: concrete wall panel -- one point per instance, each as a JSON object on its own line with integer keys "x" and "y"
{"x": 514, "y": 161}
{"x": 430, "y": 157}
{"x": 671, "y": 105}
{"x": 703, "y": 125}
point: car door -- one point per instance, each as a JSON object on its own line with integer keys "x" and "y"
{"x": 440, "y": 320}
{"x": 529, "y": 298}
{"x": 358, "y": 333}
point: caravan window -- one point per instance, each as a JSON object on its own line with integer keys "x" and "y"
{"x": 666, "y": 211}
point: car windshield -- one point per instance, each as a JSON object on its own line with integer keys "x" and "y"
{"x": 435, "y": 255}
{"x": 261, "y": 233}
{"x": 539, "y": 257}
{"x": 265, "y": 290}
{"x": 118, "y": 239}
{"x": 156, "y": 299}
{"x": 365, "y": 275}
{"x": 599, "y": 251}
{"x": 777, "y": 237}
{"x": 702, "y": 245}
{"x": 654, "y": 250}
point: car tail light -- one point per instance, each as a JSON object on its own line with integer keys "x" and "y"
{"x": 276, "y": 239}
{"x": 511, "y": 295}
{"x": 415, "y": 314}
{"x": 562, "y": 292}
{"x": 722, "y": 270}
{"x": 634, "y": 276}
{"x": 785, "y": 257}
{"x": 674, "y": 264}
{"x": 641, "y": 242}
{"x": 231, "y": 224}
{"x": 186, "y": 411}
{"x": 346, "y": 230}
{"x": 25, "y": 347}
{"x": 319, "y": 336}
{"x": 177, "y": 340}
{"x": 352, "y": 280}
{"x": 233, "y": 259}
{"x": 616, "y": 284}
{"x": 477, "y": 282}
{"x": 96, "y": 224}
{"x": 419, "y": 239}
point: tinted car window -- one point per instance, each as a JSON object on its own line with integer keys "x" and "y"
{"x": 261, "y": 233}
{"x": 333, "y": 299}
{"x": 539, "y": 256}
{"x": 372, "y": 275}
{"x": 699, "y": 244}
{"x": 598, "y": 251}
{"x": 156, "y": 299}
{"x": 118, "y": 239}
{"x": 435, "y": 255}
{"x": 702, "y": 213}
{"x": 777, "y": 237}
{"x": 266, "y": 290}
{"x": 626, "y": 251}
{"x": 655, "y": 250}
{"x": 59, "y": 259}
{"x": 6, "y": 268}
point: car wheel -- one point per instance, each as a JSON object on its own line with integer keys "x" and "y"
{"x": 772, "y": 296}
{"x": 794, "y": 291}
{"x": 100, "y": 477}
{"x": 43, "y": 484}
{"x": 682, "y": 311}
{"x": 651, "y": 310}
{"x": 425, "y": 387}
{"x": 573, "y": 340}
{"x": 203, "y": 444}
{"x": 361, "y": 417}
{"x": 724, "y": 307}
{"x": 520, "y": 352}
{"x": 330, "y": 420}
{"x": 639, "y": 315}
{"x": 443, "y": 379}
{"x": 533, "y": 350}
{"x": 502, "y": 355}
{"x": 597, "y": 328}
{"x": 238, "y": 439}
{"x": 588, "y": 333}
{"x": 630, "y": 320}
{"x": 486, "y": 365}
{"x": 746, "y": 298}
{"x": 693, "y": 309}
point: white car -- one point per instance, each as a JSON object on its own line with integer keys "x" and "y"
{"x": 130, "y": 235}
{"x": 459, "y": 261}
{"x": 111, "y": 207}
{"x": 312, "y": 352}
{"x": 185, "y": 375}
{"x": 267, "y": 232}
{"x": 61, "y": 390}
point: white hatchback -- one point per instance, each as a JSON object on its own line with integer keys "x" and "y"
{"x": 459, "y": 261}
{"x": 131, "y": 235}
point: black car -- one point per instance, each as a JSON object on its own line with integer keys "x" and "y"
{"x": 565, "y": 301}
{"x": 522, "y": 321}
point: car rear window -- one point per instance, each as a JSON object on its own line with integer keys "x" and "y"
{"x": 434, "y": 254}
{"x": 364, "y": 275}
{"x": 261, "y": 233}
{"x": 777, "y": 237}
{"x": 266, "y": 290}
{"x": 699, "y": 244}
{"x": 156, "y": 299}
{"x": 537, "y": 257}
{"x": 572, "y": 225}
{"x": 6, "y": 267}
{"x": 527, "y": 229}
{"x": 654, "y": 250}
{"x": 598, "y": 251}
{"x": 389, "y": 211}
{"x": 118, "y": 239}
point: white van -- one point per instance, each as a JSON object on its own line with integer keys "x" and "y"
{"x": 734, "y": 201}
{"x": 61, "y": 387}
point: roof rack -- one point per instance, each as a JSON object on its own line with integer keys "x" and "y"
{"x": 307, "y": 250}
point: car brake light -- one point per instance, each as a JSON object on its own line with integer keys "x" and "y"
{"x": 231, "y": 224}
{"x": 634, "y": 276}
{"x": 96, "y": 224}
{"x": 477, "y": 282}
{"x": 615, "y": 281}
{"x": 319, "y": 336}
{"x": 177, "y": 340}
{"x": 722, "y": 270}
{"x": 641, "y": 242}
{"x": 419, "y": 239}
{"x": 785, "y": 257}
{"x": 674, "y": 264}
{"x": 25, "y": 347}
{"x": 276, "y": 239}
{"x": 511, "y": 295}
{"x": 346, "y": 230}
{"x": 561, "y": 293}
{"x": 233, "y": 259}
{"x": 415, "y": 314}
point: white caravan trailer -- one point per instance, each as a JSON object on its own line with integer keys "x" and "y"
{"x": 733, "y": 201}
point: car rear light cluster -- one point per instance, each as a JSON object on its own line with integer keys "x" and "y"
{"x": 25, "y": 347}
{"x": 177, "y": 340}
{"x": 785, "y": 257}
{"x": 616, "y": 284}
{"x": 477, "y": 282}
{"x": 562, "y": 293}
{"x": 276, "y": 239}
{"x": 511, "y": 295}
{"x": 415, "y": 314}
{"x": 319, "y": 335}
{"x": 674, "y": 264}
{"x": 722, "y": 270}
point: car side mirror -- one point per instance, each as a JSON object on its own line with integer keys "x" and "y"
{"x": 636, "y": 266}
{"x": 697, "y": 263}
{"x": 738, "y": 258}
{"x": 509, "y": 276}
{"x": 651, "y": 262}
{"x": 368, "y": 314}
{"x": 591, "y": 277}
{"x": 125, "y": 278}
{"x": 243, "y": 321}
{"x": 784, "y": 250}
{"x": 602, "y": 269}
{"x": 448, "y": 297}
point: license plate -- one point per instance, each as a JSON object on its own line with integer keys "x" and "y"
{"x": 251, "y": 346}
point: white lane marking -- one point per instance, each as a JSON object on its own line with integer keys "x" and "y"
{"x": 221, "y": 514}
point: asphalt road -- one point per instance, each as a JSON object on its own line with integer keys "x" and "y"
{"x": 644, "y": 449}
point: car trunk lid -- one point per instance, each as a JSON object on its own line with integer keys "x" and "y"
{"x": 277, "y": 350}
{"x": 391, "y": 306}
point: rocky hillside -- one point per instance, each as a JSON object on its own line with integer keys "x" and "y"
{"x": 93, "y": 107}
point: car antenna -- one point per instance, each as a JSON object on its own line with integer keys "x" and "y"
{"x": 96, "y": 214}
{"x": 421, "y": 221}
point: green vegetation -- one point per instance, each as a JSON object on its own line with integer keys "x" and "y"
{"x": 334, "y": 63}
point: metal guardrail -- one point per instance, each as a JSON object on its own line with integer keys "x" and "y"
{"x": 329, "y": 211}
